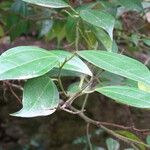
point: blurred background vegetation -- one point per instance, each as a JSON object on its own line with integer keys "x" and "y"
{"x": 26, "y": 24}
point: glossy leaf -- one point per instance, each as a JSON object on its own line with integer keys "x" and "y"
{"x": 118, "y": 64}
{"x": 49, "y": 3}
{"x": 75, "y": 64}
{"x": 26, "y": 62}
{"x": 99, "y": 19}
{"x": 112, "y": 144}
{"x": 127, "y": 95}
{"x": 40, "y": 98}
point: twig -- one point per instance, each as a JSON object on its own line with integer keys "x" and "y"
{"x": 15, "y": 95}
{"x": 14, "y": 85}
{"x": 88, "y": 136}
{"x": 77, "y": 37}
{"x": 59, "y": 73}
{"x": 84, "y": 102}
{"x": 71, "y": 99}
{"x": 98, "y": 124}
{"x": 134, "y": 147}
{"x": 147, "y": 61}
{"x": 70, "y": 111}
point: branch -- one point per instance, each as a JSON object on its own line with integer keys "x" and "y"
{"x": 101, "y": 125}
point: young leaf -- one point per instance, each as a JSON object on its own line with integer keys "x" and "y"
{"x": 73, "y": 88}
{"x": 127, "y": 95}
{"x": 49, "y": 3}
{"x": 117, "y": 64}
{"x": 132, "y": 136}
{"x": 74, "y": 64}
{"x": 100, "y": 19}
{"x": 40, "y": 98}
{"x": 26, "y": 62}
{"x": 112, "y": 144}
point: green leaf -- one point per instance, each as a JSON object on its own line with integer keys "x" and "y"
{"x": 104, "y": 38}
{"x": 73, "y": 88}
{"x": 108, "y": 78}
{"x": 112, "y": 144}
{"x": 40, "y": 98}
{"x": 49, "y": 3}
{"x": 26, "y": 62}
{"x": 15, "y": 22}
{"x": 148, "y": 139}
{"x": 70, "y": 27}
{"x": 75, "y": 64}
{"x": 19, "y": 7}
{"x": 114, "y": 47}
{"x": 131, "y": 136}
{"x": 146, "y": 41}
{"x": 127, "y": 95}
{"x": 57, "y": 31}
{"x": 131, "y": 4}
{"x": 135, "y": 39}
{"x": 117, "y": 64}
{"x": 100, "y": 19}
{"x": 65, "y": 73}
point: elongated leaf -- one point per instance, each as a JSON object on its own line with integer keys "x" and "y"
{"x": 131, "y": 136}
{"x": 49, "y": 3}
{"x": 131, "y": 4}
{"x": 74, "y": 64}
{"x": 26, "y": 62}
{"x": 127, "y": 95}
{"x": 100, "y": 19}
{"x": 118, "y": 64}
{"x": 40, "y": 98}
